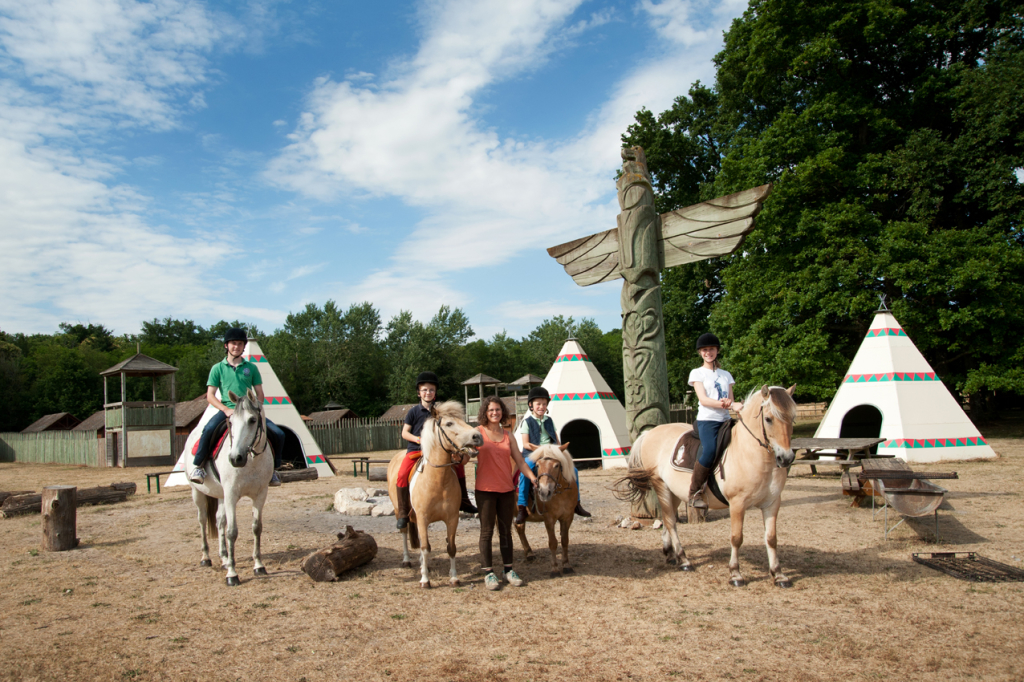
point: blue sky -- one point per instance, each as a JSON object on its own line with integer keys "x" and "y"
{"x": 239, "y": 160}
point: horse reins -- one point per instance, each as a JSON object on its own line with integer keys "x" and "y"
{"x": 456, "y": 451}
{"x": 558, "y": 481}
{"x": 764, "y": 431}
{"x": 251, "y": 450}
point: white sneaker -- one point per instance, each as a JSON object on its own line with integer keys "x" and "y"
{"x": 198, "y": 475}
{"x": 274, "y": 480}
{"x": 513, "y": 579}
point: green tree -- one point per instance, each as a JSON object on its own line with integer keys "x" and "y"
{"x": 892, "y": 132}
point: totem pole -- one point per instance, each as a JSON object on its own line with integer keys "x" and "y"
{"x": 637, "y": 251}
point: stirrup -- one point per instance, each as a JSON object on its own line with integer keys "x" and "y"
{"x": 198, "y": 475}
{"x": 697, "y": 500}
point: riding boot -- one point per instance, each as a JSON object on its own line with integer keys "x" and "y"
{"x": 521, "y": 516}
{"x": 580, "y": 511}
{"x": 404, "y": 507}
{"x": 466, "y": 505}
{"x": 697, "y": 481}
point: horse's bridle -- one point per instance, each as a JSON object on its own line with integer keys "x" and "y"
{"x": 764, "y": 431}
{"x": 557, "y": 479}
{"x": 260, "y": 431}
{"x": 456, "y": 451}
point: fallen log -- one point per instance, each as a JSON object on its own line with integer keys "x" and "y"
{"x": 292, "y": 475}
{"x": 354, "y": 548}
{"x": 32, "y": 503}
{"x": 5, "y": 495}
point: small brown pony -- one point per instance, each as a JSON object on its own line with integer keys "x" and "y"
{"x": 436, "y": 494}
{"x": 755, "y": 465}
{"x": 556, "y": 496}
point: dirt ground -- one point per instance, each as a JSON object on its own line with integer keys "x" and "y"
{"x": 132, "y": 603}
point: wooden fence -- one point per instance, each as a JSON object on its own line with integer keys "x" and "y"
{"x": 344, "y": 438}
{"x": 52, "y": 447}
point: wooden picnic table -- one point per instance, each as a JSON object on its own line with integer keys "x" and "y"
{"x": 852, "y": 450}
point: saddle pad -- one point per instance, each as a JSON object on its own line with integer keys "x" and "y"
{"x": 688, "y": 449}
{"x": 416, "y": 474}
{"x": 219, "y": 434}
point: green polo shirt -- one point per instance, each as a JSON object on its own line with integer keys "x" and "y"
{"x": 238, "y": 379}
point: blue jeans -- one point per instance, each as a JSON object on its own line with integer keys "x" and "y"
{"x": 708, "y": 432}
{"x": 525, "y": 485}
{"x": 274, "y": 433}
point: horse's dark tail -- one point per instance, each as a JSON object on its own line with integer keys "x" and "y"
{"x": 414, "y": 535}
{"x": 634, "y": 486}
{"x": 211, "y": 515}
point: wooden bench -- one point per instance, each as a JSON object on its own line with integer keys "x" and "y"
{"x": 156, "y": 477}
{"x": 812, "y": 448}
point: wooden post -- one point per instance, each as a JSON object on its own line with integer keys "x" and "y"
{"x": 124, "y": 421}
{"x": 59, "y": 506}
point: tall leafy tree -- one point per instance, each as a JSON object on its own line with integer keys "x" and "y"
{"x": 893, "y": 132}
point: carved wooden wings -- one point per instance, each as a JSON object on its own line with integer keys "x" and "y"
{"x": 711, "y": 228}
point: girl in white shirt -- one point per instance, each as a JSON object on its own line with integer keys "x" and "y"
{"x": 713, "y": 386}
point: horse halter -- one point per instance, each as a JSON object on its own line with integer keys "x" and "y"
{"x": 456, "y": 451}
{"x": 557, "y": 479}
{"x": 764, "y": 431}
{"x": 251, "y": 450}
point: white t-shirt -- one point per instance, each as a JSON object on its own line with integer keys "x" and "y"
{"x": 716, "y": 386}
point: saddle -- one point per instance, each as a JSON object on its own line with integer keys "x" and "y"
{"x": 688, "y": 450}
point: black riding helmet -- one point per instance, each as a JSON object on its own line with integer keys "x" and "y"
{"x": 538, "y": 392}
{"x": 707, "y": 340}
{"x": 235, "y": 334}
{"x": 427, "y": 378}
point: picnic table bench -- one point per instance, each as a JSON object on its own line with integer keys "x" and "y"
{"x": 846, "y": 448}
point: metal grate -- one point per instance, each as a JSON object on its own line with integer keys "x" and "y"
{"x": 970, "y": 566}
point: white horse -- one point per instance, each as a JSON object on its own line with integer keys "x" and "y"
{"x": 242, "y": 467}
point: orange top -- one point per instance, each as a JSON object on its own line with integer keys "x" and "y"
{"x": 495, "y": 467}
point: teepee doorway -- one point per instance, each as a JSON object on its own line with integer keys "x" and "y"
{"x": 584, "y": 441}
{"x": 863, "y": 421}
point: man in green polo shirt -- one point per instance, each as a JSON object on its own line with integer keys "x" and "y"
{"x": 233, "y": 374}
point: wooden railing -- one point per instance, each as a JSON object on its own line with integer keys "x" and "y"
{"x": 371, "y": 435}
{"x": 51, "y": 447}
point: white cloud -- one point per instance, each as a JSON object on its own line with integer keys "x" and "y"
{"x": 304, "y": 270}
{"x": 73, "y": 242}
{"x": 413, "y": 134}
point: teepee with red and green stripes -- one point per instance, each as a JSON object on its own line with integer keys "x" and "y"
{"x": 920, "y": 420}
{"x": 580, "y": 395}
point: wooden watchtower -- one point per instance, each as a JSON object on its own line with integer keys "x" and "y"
{"x": 139, "y": 433}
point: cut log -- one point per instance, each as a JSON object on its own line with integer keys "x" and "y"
{"x": 59, "y": 518}
{"x": 32, "y": 502}
{"x": 354, "y": 548}
{"x": 307, "y": 474}
{"x": 13, "y": 493}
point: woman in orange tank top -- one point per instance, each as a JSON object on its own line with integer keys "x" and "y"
{"x": 497, "y": 461}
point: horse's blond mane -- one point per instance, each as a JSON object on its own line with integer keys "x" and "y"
{"x": 451, "y": 408}
{"x": 779, "y": 401}
{"x": 554, "y": 452}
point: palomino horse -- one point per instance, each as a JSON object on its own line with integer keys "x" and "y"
{"x": 436, "y": 495}
{"x": 755, "y": 466}
{"x": 237, "y": 470}
{"x": 556, "y": 496}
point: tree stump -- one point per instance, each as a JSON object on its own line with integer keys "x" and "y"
{"x": 695, "y": 515}
{"x": 354, "y": 548}
{"x": 307, "y": 474}
{"x": 59, "y": 507}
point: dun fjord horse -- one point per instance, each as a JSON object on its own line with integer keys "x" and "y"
{"x": 755, "y": 467}
{"x": 242, "y": 467}
{"x": 556, "y": 496}
{"x": 435, "y": 493}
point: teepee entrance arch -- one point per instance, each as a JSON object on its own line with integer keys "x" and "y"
{"x": 584, "y": 438}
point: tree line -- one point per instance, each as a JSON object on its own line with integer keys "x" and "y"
{"x": 321, "y": 355}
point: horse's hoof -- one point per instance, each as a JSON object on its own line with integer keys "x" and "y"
{"x": 233, "y": 581}
{"x": 671, "y": 561}
{"x": 261, "y": 571}
{"x": 530, "y": 557}
{"x": 425, "y": 586}
{"x": 455, "y": 583}
{"x": 738, "y": 583}
{"x": 688, "y": 568}
{"x": 567, "y": 570}
{"x": 206, "y": 562}
{"x": 784, "y": 583}
{"x": 406, "y": 564}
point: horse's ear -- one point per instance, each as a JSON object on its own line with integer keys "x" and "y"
{"x": 563, "y": 447}
{"x": 765, "y": 391}
{"x": 790, "y": 389}
{"x": 234, "y": 398}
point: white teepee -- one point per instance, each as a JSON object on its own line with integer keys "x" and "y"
{"x": 582, "y": 400}
{"x": 891, "y": 392}
{"x": 279, "y": 409}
